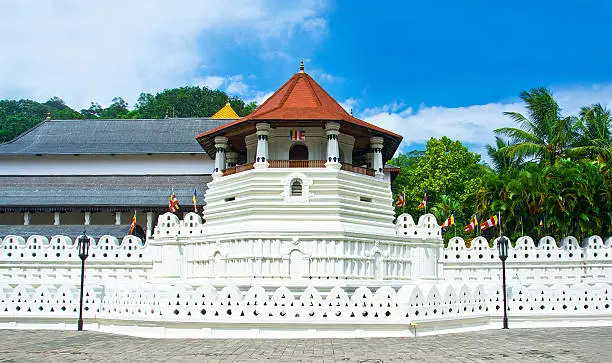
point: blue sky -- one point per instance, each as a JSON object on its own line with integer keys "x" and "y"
{"x": 418, "y": 68}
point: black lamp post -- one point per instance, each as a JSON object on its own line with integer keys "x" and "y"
{"x": 83, "y": 254}
{"x": 502, "y": 247}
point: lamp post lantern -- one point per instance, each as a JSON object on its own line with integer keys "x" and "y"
{"x": 502, "y": 247}
{"x": 83, "y": 246}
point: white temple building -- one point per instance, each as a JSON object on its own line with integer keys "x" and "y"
{"x": 298, "y": 239}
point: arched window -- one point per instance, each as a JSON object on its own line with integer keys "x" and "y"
{"x": 298, "y": 152}
{"x": 296, "y": 188}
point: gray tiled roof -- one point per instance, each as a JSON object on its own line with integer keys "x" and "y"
{"x": 100, "y": 190}
{"x": 131, "y": 136}
{"x": 71, "y": 231}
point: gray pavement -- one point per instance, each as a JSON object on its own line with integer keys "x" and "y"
{"x": 525, "y": 345}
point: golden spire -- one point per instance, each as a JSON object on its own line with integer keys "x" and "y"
{"x": 226, "y": 111}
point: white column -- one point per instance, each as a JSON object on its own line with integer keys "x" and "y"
{"x": 149, "y": 223}
{"x": 261, "y": 159}
{"x": 87, "y": 218}
{"x": 56, "y": 219}
{"x": 26, "y": 218}
{"x": 117, "y": 217}
{"x": 333, "y": 152}
{"x": 376, "y": 144}
{"x": 220, "y": 145}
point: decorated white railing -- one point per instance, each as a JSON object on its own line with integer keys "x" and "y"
{"x": 549, "y": 261}
{"x": 40, "y": 259}
{"x": 427, "y": 307}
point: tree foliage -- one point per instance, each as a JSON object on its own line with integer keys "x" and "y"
{"x": 551, "y": 175}
{"x": 19, "y": 116}
{"x": 447, "y": 170}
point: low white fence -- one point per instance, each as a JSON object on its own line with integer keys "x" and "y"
{"x": 160, "y": 310}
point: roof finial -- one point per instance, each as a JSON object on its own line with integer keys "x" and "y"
{"x": 302, "y": 66}
{"x": 228, "y": 100}
{"x": 351, "y": 112}
{"x": 48, "y": 115}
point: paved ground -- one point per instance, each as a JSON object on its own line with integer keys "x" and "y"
{"x": 525, "y": 345}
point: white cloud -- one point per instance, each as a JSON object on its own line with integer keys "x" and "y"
{"x": 349, "y": 104}
{"x": 212, "y": 82}
{"x": 237, "y": 86}
{"x": 95, "y": 50}
{"x": 474, "y": 124}
{"x": 325, "y": 77}
{"x": 260, "y": 97}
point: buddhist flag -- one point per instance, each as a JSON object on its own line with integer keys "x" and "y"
{"x": 297, "y": 135}
{"x": 473, "y": 223}
{"x": 173, "y": 205}
{"x": 449, "y": 221}
{"x": 424, "y": 202}
{"x": 491, "y": 222}
{"x": 401, "y": 200}
{"x": 133, "y": 225}
{"x": 193, "y": 200}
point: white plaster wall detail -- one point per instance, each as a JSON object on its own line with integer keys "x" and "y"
{"x": 289, "y": 184}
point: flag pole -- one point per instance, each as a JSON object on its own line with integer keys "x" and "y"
{"x": 499, "y": 222}
{"x": 404, "y": 195}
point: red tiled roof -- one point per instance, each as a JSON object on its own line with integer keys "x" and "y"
{"x": 301, "y": 98}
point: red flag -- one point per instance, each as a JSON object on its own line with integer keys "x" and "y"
{"x": 401, "y": 200}
{"x": 473, "y": 223}
{"x": 491, "y": 222}
{"x": 424, "y": 202}
{"x": 133, "y": 225}
{"x": 173, "y": 205}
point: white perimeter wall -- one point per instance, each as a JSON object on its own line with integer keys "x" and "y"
{"x": 106, "y": 164}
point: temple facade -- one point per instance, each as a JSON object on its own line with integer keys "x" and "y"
{"x": 63, "y": 175}
{"x": 298, "y": 237}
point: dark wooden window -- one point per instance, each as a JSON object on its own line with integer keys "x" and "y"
{"x": 296, "y": 188}
{"x": 298, "y": 152}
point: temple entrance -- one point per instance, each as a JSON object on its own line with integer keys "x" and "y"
{"x": 298, "y": 152}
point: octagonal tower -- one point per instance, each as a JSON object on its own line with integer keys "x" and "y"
{"x": 300, "y": 194}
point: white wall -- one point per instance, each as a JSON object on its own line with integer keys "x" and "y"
{"x": 106, "y": 164}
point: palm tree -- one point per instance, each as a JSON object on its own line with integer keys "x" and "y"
{"x": 502, "y": 162}
{"x": 595, "y": 126}
{"x": 545, "y": 135}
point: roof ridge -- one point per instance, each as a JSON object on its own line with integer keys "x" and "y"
{"x": 288, "y": 92}
{"x": 309, "y": 80}
{"x": 24, "y": 133}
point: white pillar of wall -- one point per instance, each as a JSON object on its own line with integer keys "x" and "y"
{"x": 231, "y": 159}
{"x": 26, "y": 218}
{"x": 149, "y": 223}
{"x": 261, "y": 159}
{"x": 220, "y": 145}
{"x": 117, "y": 218}
{"x": 333, "y": 151}
{"x": 56, "y": 218}
{"x": 87, "y": 218}
{"x": 376, "y": 144}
